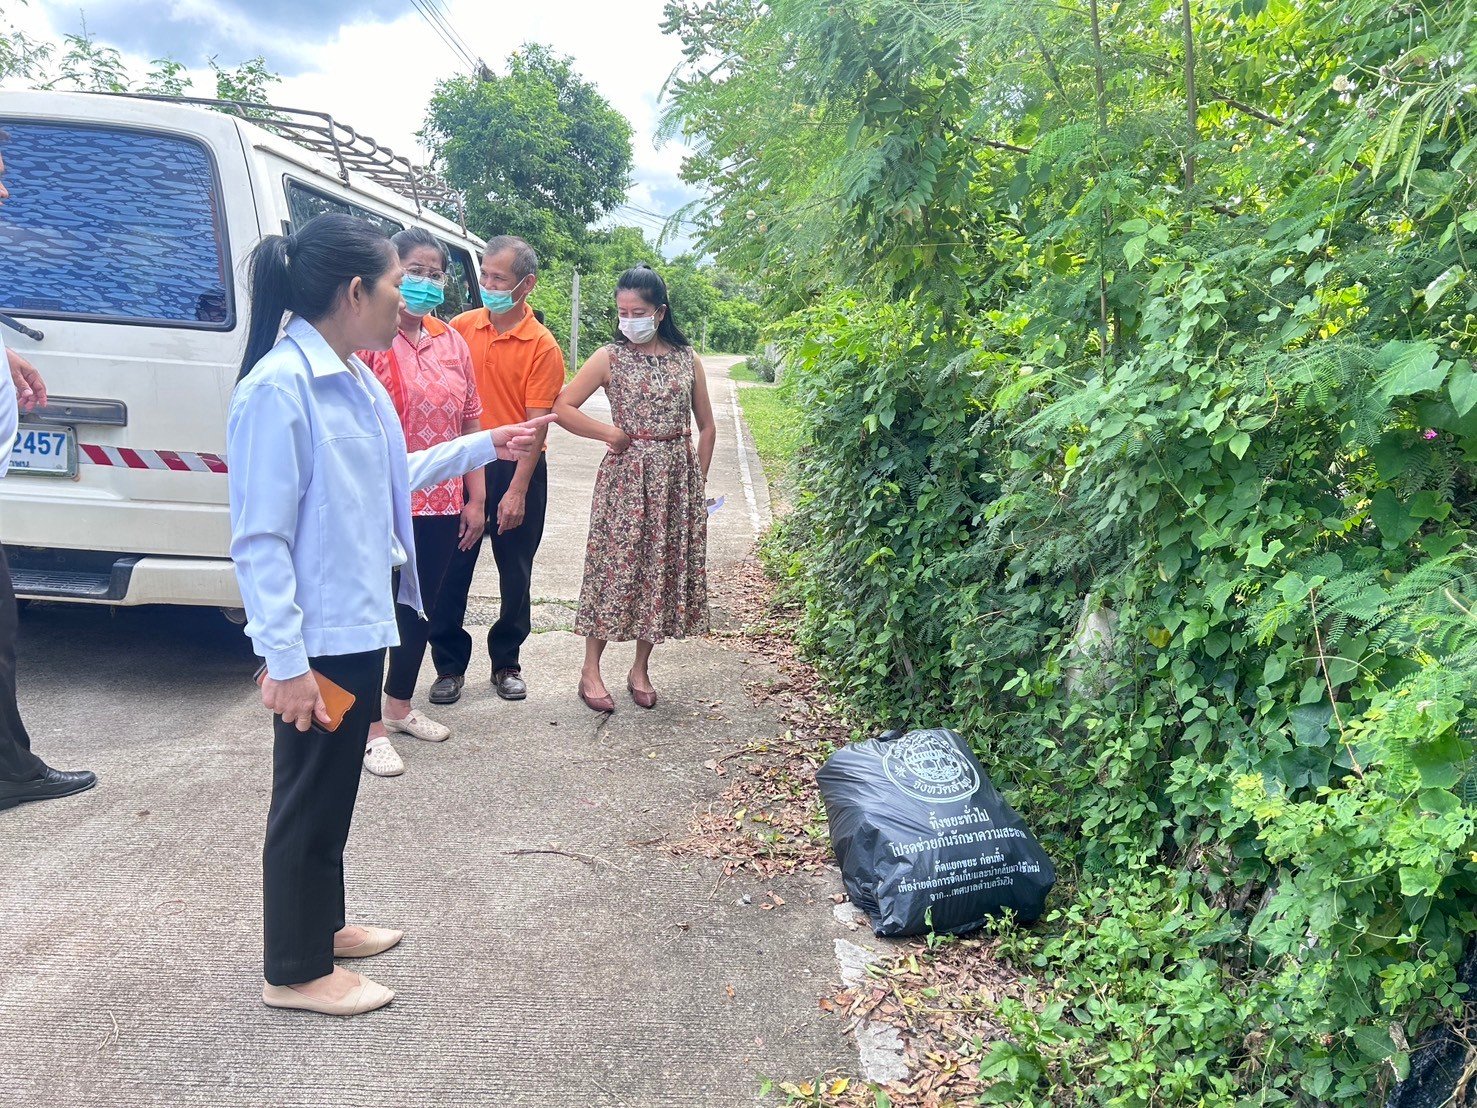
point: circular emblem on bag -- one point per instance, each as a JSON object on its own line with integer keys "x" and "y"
{"x": 929, "y": 767}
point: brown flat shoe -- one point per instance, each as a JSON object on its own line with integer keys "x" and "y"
{"x": 642, "y": 699}
{"x": 604, "y": 703}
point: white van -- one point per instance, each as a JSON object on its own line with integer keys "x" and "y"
{"x": 122, "y": 251}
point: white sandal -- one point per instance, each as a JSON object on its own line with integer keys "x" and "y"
{"x": 381, "y": 760}
{"x": 419, "y": 727}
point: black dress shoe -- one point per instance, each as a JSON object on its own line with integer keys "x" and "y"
{"x": 50, "y": 785}
{"x": 510, "y": 684}
{"x": 447, "y": 689}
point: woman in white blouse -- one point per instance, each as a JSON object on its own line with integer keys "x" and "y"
{"x": 320, "y": 487}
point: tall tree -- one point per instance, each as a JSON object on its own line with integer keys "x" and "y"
{"x": 539, "y": 151}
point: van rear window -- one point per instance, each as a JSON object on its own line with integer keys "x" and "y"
{"x": 112, "y": 224}
{"x": 303, "y": 203}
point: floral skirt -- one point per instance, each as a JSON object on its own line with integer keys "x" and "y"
{"x": 646, "y": 574}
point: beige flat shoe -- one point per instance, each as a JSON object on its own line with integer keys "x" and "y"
{"x": 379, "y": 940}
{"x": 363, "y": 997}
{"x": 419, "y": 727}
{"x": 381, "y": 759}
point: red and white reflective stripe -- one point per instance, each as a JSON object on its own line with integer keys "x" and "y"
{"x": 177, "y": 460}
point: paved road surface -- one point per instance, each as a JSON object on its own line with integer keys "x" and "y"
{"x": 130, "y": 961}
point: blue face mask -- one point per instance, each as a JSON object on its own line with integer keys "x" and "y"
{"x": 499, "y": 302}
{"x": 420, "y": 295}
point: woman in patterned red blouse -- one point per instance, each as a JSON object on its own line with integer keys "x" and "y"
{"x": 428, "y": 373}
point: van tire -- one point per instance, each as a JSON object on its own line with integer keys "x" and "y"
{"x": 235, "y": 616}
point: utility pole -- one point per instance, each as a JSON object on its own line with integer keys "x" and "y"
{"x": 574, "y": 322}
{"x": 705, "y": 336}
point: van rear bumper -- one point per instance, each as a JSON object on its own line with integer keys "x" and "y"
{"x": 97, "y": 577}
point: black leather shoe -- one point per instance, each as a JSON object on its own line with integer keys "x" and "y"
{"x": 50, "y": 785}
{"x": 447, "y": 689}
{"x": 510, "y": 684}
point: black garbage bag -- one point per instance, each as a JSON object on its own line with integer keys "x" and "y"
{"x": 1439, "y": 1060}
{"x": 923, "y": 839}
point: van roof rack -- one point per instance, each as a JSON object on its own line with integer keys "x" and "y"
{"x": 351, "y": 150}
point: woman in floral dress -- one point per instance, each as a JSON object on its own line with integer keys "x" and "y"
{"x": 646, "y": 562}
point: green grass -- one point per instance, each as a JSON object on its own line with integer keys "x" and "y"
{"x": 740, "y": 371}
{"x": 774, "y": 421}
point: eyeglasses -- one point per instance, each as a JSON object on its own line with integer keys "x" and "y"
{"x": 435, "y": 276}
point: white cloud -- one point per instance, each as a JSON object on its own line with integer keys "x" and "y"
{"x": 378, "y": 77}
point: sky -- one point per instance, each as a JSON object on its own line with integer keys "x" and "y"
{"x": 373, "y": 63}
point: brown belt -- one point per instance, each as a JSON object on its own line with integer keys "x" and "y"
{"x": 658, "y": 438}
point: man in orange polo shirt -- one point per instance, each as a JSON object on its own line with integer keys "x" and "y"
{"x": 520, "y": 370}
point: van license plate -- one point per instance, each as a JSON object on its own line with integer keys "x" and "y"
{"x": 44, "y": 451}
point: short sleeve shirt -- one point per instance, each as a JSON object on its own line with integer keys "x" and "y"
{"x": 516, "y": 369}
{"x": 434, "y": 389}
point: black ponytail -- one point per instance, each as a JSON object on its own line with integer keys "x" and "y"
{"x": 305, "y": 272}
{"x": 644, "y": 280}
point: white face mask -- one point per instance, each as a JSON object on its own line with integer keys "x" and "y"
{"x": 640, "y": 331}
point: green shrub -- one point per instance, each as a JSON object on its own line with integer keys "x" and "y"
{"x": 762, "y": 365}
{"x": 1304, "y": 856}
{"x": 1054, "y": 356}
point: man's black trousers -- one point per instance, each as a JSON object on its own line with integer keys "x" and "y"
{"x": 17, "y": 763}
{"x": 451, "y": 645}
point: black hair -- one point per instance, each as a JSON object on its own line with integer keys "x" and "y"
{"x": 646, "y": 281}
{"x": 525, "y": 260}
{"x": 4, "y": 135}
{"x": 414, "y": 238}
{"x": 306, "y": 272}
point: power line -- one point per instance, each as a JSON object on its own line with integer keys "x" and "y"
{"x": 651, "y": 229}
{"x": 445, "y": 34}
{"x": 448, "y": 35}
{"x": 436, "y": 29}
{"x": 443, "y": 16}
{"x": 641, "y": 219}
{"x": 644, "y": 211}
{"x": 438, "y": 20}
{"x": 673, "y": 218}
{"x": 654, "y": 220}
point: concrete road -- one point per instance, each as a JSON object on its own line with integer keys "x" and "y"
{"x": 130, "y": 961}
